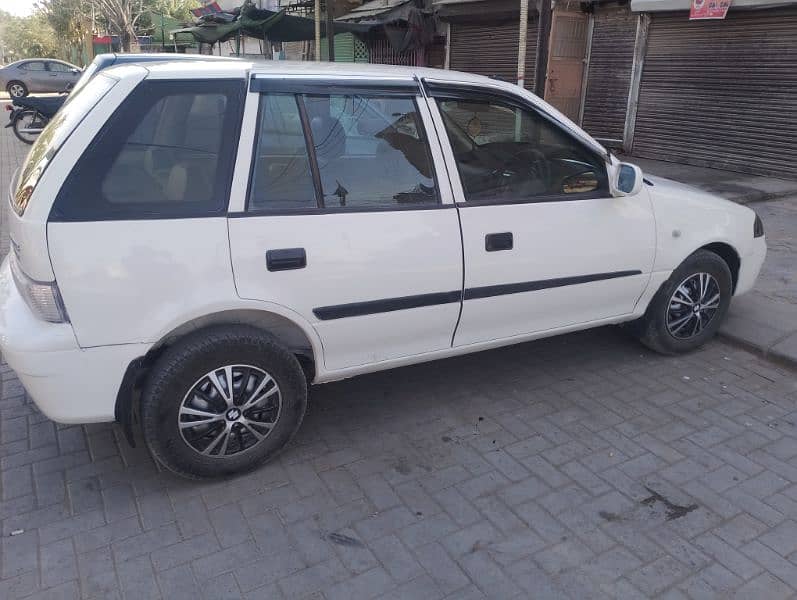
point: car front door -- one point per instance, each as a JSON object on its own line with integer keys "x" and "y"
{"x": 61, "y": 76}
{"x": 344, "y": 222}
{"x": 546, "y": 246}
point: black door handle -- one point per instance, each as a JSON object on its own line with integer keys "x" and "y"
{"x": 495, "y": 242}
{"x": 286, "y": 259}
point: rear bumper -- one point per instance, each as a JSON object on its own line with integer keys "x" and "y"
{"x": 751, "y": 265}
{"x": 69, "y": 384}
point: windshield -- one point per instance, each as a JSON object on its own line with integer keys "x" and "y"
{"x": 53, "y": 137}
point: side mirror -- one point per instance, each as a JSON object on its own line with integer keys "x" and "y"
{"x": 627, "y": 180}
{"x": 74, "y": 70}
{"x": 582, "y": 182}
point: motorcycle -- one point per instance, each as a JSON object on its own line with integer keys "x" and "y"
{"x": 30, "y": 115}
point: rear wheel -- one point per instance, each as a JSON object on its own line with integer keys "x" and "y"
{"x": 28, "y": 125}
{"x": 222, "y": 401}
{"x": 689, "y": 308}
{"x": 17, "y": 89}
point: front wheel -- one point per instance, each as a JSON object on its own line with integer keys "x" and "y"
{"x": 689, "y": 308}
{"x": 28, "y": 125}
{"x": 222, "y": 401}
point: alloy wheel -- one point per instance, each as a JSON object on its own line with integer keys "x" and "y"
{"x": 229, "y": 410}
{"x": 16, "y": 90}
{"x": 693, "y": 305}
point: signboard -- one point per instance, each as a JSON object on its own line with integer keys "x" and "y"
{"x": 709, "y": 9}
{"x": 208, "y": 8}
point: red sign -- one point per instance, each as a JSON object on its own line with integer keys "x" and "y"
{"x": 709, "y": 9}
{"x": 209, "y": 8}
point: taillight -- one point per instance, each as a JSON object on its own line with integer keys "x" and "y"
{"x": 42, "y": 297}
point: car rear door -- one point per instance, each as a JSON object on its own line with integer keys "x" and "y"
{"x": 37, "y": 78}
{"x": 546, "y": 246}
{"x": 343, "y": 220}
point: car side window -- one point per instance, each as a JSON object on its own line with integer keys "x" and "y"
{"x": 59, "y": 67}
{"x": 36, "y": 65}
{"x": 167, "y": 152}
{"x": 281, "y": 174}
{"x": 371, "y": 151}
{"x": 506, "y": 154}
{"x": 366, "y": 153}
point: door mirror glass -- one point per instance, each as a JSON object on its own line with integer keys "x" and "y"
{"x": 580, "y": 183}
{"x": 628, "y": 180}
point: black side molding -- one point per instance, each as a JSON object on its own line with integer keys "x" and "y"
{"x": 358, "y": 309}
{"x": 490, "y": 291}
{"x": 371, "y": 307}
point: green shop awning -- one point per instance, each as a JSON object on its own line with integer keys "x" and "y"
{"x": 262, "y": 24}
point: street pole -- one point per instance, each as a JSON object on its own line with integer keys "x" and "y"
{"x": 543, "y": 42}
{"x": 318, "y": 30}
{"x": 524, "y": 36}
{"x": 330, "y": 31}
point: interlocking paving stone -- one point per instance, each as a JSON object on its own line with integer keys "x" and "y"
{"x": 564, "y": 468}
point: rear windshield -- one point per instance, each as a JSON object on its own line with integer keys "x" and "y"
{"x": 53, "y": 137}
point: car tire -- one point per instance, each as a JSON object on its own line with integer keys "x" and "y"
{"x": 195, "y": 428}
{"x": 16, "y": 89}
{"x": 671, "y": 324}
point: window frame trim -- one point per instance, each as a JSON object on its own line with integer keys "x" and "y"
{"x": 437, "y": 91}
{"x": 408, "y": 89}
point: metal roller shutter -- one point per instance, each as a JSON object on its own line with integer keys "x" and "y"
{"x": 721, "y": 93}
{"x": 609, "y": 77}
{"x": 491, "y": 49}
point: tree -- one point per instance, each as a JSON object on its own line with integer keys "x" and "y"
{"x": 176, "y": 9}
{"x": 70, "y": 21}
{"x": 27, "y": 37}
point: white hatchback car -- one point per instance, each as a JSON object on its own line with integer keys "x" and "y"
{"x": 192, "y": 244}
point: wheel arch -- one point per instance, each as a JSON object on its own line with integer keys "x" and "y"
{"x": 731, "y": 257}
{"x": 284, "y": 330}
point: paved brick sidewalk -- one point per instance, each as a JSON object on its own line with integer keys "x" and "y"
{"x": 577, "y": 467}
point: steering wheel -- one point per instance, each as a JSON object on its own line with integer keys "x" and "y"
{"x": 537, "y": 166}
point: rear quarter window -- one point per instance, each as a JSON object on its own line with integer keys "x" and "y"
{"x": 167, "y": 152}
{"x": 53, "y": 137}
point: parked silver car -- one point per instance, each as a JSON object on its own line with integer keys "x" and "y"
{"x": 38, "y": 75}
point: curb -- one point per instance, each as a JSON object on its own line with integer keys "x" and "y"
{"x": 784, "y": 360}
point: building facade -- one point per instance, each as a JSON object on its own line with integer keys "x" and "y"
{"x": 644, "y": 78}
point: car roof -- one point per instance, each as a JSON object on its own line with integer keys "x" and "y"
{"x": 103, "y": 61}
{"x": 335, "y": 69}
{"x": 29, "y": 60}
{"x": 164, "y": 57}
